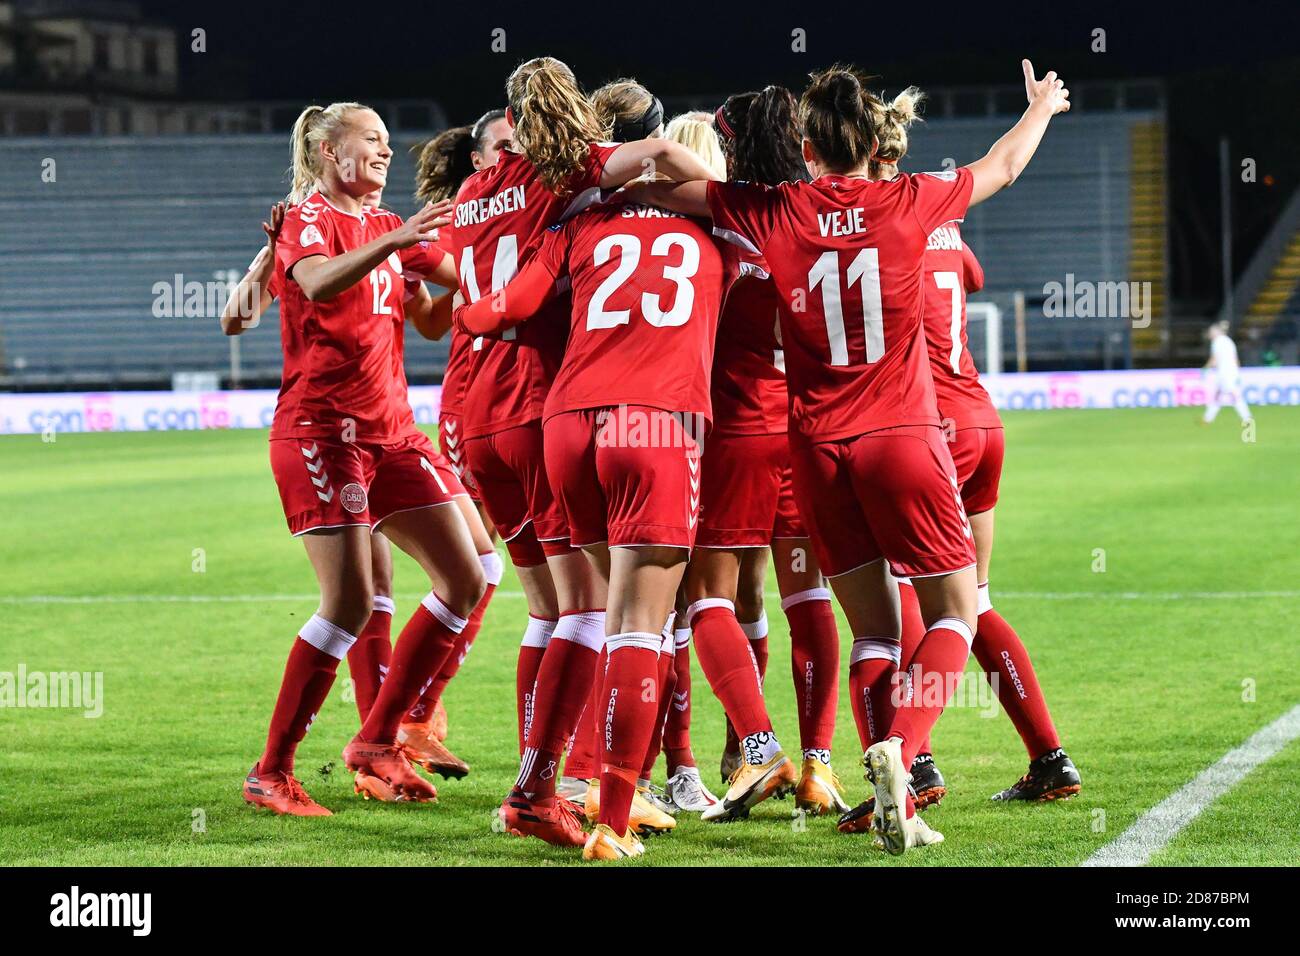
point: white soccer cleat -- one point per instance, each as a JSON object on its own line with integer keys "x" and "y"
{"x": 885, "y": 770}
{"x": 919, "y": 833}
{"x": 572, "y": 788}
{"x": 686, "y": 791}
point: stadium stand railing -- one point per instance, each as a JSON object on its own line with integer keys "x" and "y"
{"x": 1267, "y": 296}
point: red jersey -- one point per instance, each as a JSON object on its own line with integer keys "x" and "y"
{"x": 846, "y": 256}
{"x": 339, "y": 355}
{"x": 647, "y": 289}
{"x": 749, "y": 393}
{"x": 951, "y": 271}
{"x": 454, "y": 376}
{"x": 500, "y": 213}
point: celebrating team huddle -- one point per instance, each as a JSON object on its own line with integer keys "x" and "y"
{"x": 675, "y": 349}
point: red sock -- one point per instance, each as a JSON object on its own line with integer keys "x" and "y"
{"x": 727, "y": 662}
{"x": 536, "y": 636}
{"x": 872, "y": 666}
{"x": 666, "y": 680}
{"x": 422, "y": 648}
{"x": 563, "y": 685}
{"x": 677, "y": 727}
{"x": 370, "y": 656}
{"x": 629, "y": 703}
{"x": 582, "y": 761}
{"x": 756, "y": 633}
{"x": 308, "y": 676}
{"x": 423, "y": 710}
{"x": 913, "y": 632}
{"x": 1005, "y": 660}
{"x": 815, "y": 664}
{"x": 936, "y": 669}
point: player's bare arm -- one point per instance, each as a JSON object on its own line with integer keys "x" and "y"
{"x": 240, "y": 311}
{"x": 1008, "y": 157}
{"x": 322, "y": 278}
{"x": 652, "y": 156}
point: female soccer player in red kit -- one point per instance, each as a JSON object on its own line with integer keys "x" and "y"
{"x": 561, "y": 166}
{"x": 346, "y": 456}
{"x": 623, "y": 421}
{"x": 872, "y": 473}
{"x": 748, "y": 501}
{"x": 977, "y": 444}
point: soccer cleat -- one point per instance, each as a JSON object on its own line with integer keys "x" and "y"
{"x": 859, "y": 819}
{"x": 751, "y": 785}
{"x": 605, "y": 844}
{"x": 425, "y": 748}
{"x": 819, "y": 790}
{"x": 281, "y": 793}
{"x": 550, "y": 819}
{"x": 928, "y": 787}
{"x": 918, "y": 833}
{"x": 439, "y": 720}
{"x": 385, "y": 773}
{"x": 884, "y": 763}
{"x": 1051, "y": 777}
{"x": 572, "y": 788}
{"x": 657, "y": 797}
{"x": 644, "y": 818}
{"x": 686, "y": 791}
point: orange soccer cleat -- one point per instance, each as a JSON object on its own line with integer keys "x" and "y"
{"x": 385, "y": 773}
{"x": 439, "y": 720}
{"x": 425, "y": 747}
{"x": 281, "y": 793}
{"x": 550, "y": 819}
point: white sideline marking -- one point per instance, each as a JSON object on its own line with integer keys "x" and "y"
{"x": 1155, "y": 828}
{"x": 259, "y": 598}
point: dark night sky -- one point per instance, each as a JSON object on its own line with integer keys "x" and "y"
{"x": 1232, "y": 73}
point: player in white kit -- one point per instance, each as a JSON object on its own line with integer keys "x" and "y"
{"x": 1225, "y": 369}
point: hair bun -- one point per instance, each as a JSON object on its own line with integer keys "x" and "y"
{"x": 846, "y": 92}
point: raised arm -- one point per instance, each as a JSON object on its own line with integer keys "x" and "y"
{"x": 689, "y": 198}
{"x": 652, "y": 156}
{"x": 251, "y": 296}
{"x": 322, "y": 278}
{"x": 1011, "y": 154}
{"x": 519, "y": 300}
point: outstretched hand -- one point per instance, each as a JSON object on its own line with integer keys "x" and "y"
{"x": 1049, "y": 90}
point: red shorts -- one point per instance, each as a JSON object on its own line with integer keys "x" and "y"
{"x": 977, "y": 454}
{"x": 334, "y": 484}
{"x": 748, "y": 495}
{"x": 451, "y": 439}
{"x": 627, "y": 475}
{"x": 890, "y": 493}
{"x": 510, "y": 472}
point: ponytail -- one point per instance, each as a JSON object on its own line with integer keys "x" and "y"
{"x": 314, "y": 125}
{"x": 443, "y": 163}
{"x": 555, "y": 124}
{"x": 896, "y": 118}
{"x": 841, "y": 117}
{"x": 761, "y": 136}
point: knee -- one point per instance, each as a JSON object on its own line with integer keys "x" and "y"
{"x": 349, "y": 608}
{"x": 749, "y": 602}
{"x": 465, "y": 591}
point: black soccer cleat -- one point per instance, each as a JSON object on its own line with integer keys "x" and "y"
{"x": 861, "y": 817}
{"x": 1051, "y": 777}
{"x": 927, "y": 782}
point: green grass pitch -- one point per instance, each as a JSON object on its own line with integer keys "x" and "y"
{"x": 1183, "y": 646}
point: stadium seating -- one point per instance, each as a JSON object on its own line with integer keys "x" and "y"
{"x": 83, "y": 254}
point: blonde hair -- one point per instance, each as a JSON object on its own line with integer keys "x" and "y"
{"x": 695, "y": 132}
{"x": 555, "y": 124}
{"x": 315, "y": 125}
{"x": 894, "y": 120}
{"x": 620, "y": 100}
